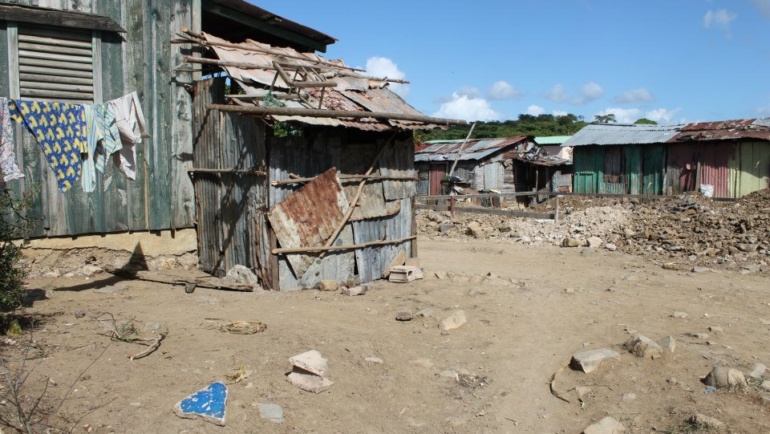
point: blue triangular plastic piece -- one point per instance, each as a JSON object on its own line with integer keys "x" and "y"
{"x": 208, "y": 404}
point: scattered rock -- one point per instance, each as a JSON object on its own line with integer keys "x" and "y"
{"x": 698, "y": 269}
{"x": 715, "y": 329}
{"x": 311, "y": 361}
{"x": 642, "y": 346}
{"x": 453, "y": 321}
{"x": 702, "y": 336}
{"x": 703, "y": 421}
{"x": 243, "y": 275}
{"x": 607, "y": 425}
{"x": 757, "y": 371}
{"x": 328, "y": 285}
{"x": 588, "y": 361}
{"x": 271, "y": 412}
{"x": 765, "y": 385}
{"x": 89, "y": 270}
{"x": 570, "y": 242}
{"x": 721, "y": 377}
{"x": 309, "y": 382}
{"x": 679, "y": 315}
{"x": 208, "y": 404}
{"x": 672, "y": 380}
{"x": 668, "y": 343}
{"x": 373, "y": 359}
{"x": 445, "y": 227}
{"x": 449, "y": 373}
{"x": 404, "y": 316}
{"x": 628, "y": 397}
{"x": 594, "y": 242}
{"x": 611, "y": 247}
{"x": 79, "y": 314}
{"x": 355, "y": 290}
{"x": 474, "y": 229}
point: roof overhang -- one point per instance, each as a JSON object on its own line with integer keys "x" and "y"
{"x": 54, "y": 17}
{"x": 237, "y": 20}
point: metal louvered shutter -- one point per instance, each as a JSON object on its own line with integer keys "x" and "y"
{"x": 56, "y": 64}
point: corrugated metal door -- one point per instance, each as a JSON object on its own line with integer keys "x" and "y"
{"x": 56, "y": 64}
{"x": 493, "y": 176}
{"x": 633, "y": 160}
{"x": 754, "y": 167}
{"x": 437, "y": 172}
{"x": 652, "y": 169}
{"x": 584, "y": 160}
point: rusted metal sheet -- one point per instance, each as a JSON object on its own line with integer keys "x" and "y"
{"x": 309, "y": 216}
{"x": 725, "y": 130}
{"x": 709, "y": 160}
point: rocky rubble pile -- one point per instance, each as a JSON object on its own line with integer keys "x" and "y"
{"x": 680, "y": 231}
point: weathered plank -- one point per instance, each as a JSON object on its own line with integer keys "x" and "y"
{"x": 60, "y": 17}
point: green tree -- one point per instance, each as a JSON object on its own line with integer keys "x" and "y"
{"x": 645, "y": 121}
{"x": 526, "y": 124}
{"x": 605, "y": 119}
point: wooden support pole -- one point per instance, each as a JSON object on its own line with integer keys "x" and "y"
{"x": 324, "y": 249}
{"x": 320, "y": 113}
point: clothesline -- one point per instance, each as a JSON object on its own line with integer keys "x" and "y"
{"x": 76, "y": 139}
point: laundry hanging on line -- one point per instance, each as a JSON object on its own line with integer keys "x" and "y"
{"x": 8, "y": 167}
{"x": 77, "y": 139}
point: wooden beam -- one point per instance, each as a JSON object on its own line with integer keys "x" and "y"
{"x": 234, "y": 171}
{"x": 52, "y": 17}
{"x": 321, "y": 249}
{"x": 347, "y": 178}
{"x": 489, "y": 211}
{"x": 320, "y": 113}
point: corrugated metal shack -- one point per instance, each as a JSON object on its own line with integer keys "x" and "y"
{"x": 304, "y": 166}
{"x": 730, "y": 158}
{"x": 481, "y": 163}
{"x": 89, "y": 51}
{"x": 545, "y": 166}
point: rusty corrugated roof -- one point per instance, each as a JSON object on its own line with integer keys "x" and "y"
{"x": 353, "y": 92}
{"x": 474, "y": 149}
{"x": 725, "y": 130}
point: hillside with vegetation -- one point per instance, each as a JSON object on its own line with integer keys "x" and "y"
{"x": 525, "y": 125}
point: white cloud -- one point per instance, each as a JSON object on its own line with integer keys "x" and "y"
{"x": 662, "y": 115}
{"x": 720, "y": 19}
{"x": 557, "y": 94}
{"x": 589, "y": 92}
{"x": 384, "y": 67}
{"x": 623, "y": 116}
{"x": 468, "y": 108}
{"x": 535, "y": 110}
{"x": 502, "y": 90}
{"x": 559, "y": 113}
{"x": 469, "y": 91}
{"x": 640, "y": 95}
{"x": 763, "y": 6}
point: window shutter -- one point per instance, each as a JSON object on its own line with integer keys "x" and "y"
{"x": 56, "y": 64}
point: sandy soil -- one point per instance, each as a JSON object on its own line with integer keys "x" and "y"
{"x": 491, "y": 375}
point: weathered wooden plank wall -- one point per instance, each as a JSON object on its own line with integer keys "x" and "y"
{"x": 140, "y": 60}
{"x": 230, "y": 206}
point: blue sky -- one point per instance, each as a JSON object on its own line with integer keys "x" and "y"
{"x": 672, "y": 61}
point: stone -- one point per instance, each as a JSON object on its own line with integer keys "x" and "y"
{"x": 715, "y": 329}
{"x": 404, "y": 273}
{"x": 243, "y": 275}
{"x": 328, "y": 285}
{"x": 355, "y": 290}
{"x": 373, "y": 359}
{"x": 525, "y": 240}
{"x": 642, "y": 346}
{"x": 679, "y": 315}
{"x": 309, "y": 382}
{"x": 570, "y": 242}
{"x": 700, "y": 269}
{"x": 271, "y": 412}
{"x": 449, "y": 373}
{"x": 707, "y": 422}
{"x": 668, "y": 343}
{"x": 445, "y": 227}
{"x": 607, "y": 425}
{"x": 440, "y": 275}
{"x": 424, "y": 313}
{"x": 89, "y": 270}
{"x": 208, "y": 404}
{"x": 311, "y": 361}
{"x": 672, "y": 380}
{"x": 628, "y": 397}
{"x": 474, "y": 229}
{"x": 757, "y": 371}
{"x": 404, "y": 316}
{"x": 594, "y": 242}
{"x": 79, "y": 314}
{"x": 721, "y": 377}
{"x": 765, "y": 385}
{"x": 589, "y": 360}
{"x": 453, "y": 321}
{"x": 702, "y": 336}
{"x": 611, "y": 247}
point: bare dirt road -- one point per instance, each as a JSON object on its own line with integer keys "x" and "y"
{"x": 491, "y": 375}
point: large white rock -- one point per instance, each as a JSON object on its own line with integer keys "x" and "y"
{"x": 453, "y": 321}
{"x": 589, "y": 360}
{"x": 607, "y": 425}
{"x": 311, "y": 361}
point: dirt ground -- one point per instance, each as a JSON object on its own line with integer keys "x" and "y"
{"x": 540, "y": 305}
